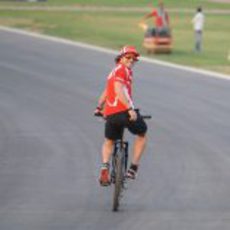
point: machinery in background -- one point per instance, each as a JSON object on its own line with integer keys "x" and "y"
{"x": 156, "y": 41}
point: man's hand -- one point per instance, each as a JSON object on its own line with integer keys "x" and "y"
{"x": 98, "y": 112}
{"x": 143, "y": 25}
{"x": 132, "y": 115}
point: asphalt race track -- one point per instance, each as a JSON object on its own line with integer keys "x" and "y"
{"x": 50, "y": 143}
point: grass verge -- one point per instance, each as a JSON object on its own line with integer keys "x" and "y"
{"x": 114, "y": 29}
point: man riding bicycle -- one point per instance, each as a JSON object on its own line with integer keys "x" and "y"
{"x": 117, "y": 107}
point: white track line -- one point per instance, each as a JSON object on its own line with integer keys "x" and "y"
{"x": 110, "y": 51}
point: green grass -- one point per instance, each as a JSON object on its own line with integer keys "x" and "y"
{"x": 132, "y": 3}
{"x": 114, "y": 29}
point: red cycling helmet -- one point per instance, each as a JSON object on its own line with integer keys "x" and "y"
{"x": 126, "y": 50}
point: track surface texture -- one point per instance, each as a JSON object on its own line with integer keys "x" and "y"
{"x": 50, "y": 143}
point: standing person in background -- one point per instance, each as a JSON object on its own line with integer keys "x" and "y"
{"x": 161, "y": 22}
{"x": 198, "y": 23}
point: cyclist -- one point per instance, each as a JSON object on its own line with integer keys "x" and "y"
{"x": 117, "y": 106}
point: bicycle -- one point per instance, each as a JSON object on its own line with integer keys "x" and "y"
{"x": 119, "y": 160}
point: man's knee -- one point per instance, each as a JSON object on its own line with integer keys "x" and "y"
{"x": 108, "y": 141}
{"x": 142, "y": 135}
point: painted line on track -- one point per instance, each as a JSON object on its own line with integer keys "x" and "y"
{"x": 110, "y": 51}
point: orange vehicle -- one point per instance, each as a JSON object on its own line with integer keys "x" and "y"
{"x": 158, "y": 38}
{"x": 157, "y": 41}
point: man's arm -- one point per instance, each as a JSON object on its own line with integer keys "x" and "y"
{"x": 194, "y": 19}
{"x": 120, "y": 91}
{"x": 101, "y": 102}
{"x": 147, "y": 16}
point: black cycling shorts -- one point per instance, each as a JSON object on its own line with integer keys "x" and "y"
{"x": 115, "y": 124}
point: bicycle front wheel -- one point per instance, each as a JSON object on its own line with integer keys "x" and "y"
{"x": 118, "y": 163}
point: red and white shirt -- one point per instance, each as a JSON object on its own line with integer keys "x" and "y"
{"x": 123, "y": 75}
{"x": 161, "y": 18}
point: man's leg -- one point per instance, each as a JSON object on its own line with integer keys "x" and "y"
{"x": 138, "y": 128}
{"x": 198, "y": 41}
{"x": 113, "y": 131}
{"x": 138, "y": 149}
{"x": 107, "y": 149}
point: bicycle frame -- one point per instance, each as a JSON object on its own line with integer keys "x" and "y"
{"x": 118, "y": 145}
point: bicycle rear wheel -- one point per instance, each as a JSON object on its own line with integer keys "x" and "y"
{"x": 118, "y": 163}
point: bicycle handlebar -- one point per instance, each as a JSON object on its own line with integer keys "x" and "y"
{"x": 143, "y": 116}
{"x": 146, "y": 116}
{"x": 98, "y": 114}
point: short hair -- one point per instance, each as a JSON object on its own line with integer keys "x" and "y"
{"x": 199, "y": 9}
{"x": 117, "y": 59}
